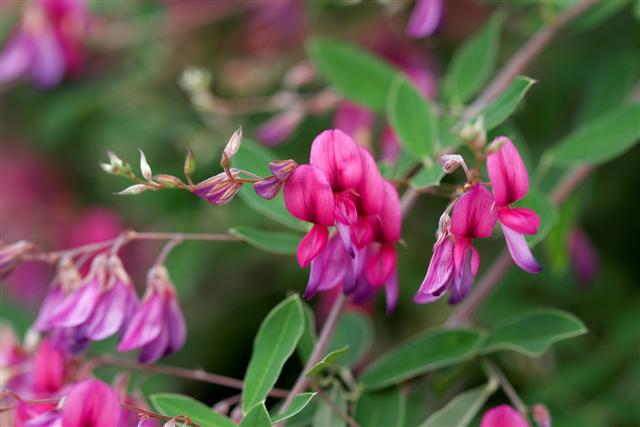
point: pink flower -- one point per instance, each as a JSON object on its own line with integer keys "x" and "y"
{"x": 47, "y": 44}
{"x": 280, "y": 127}
{"x": 510, "y": 183}
{"x": 48, "y": 369}
{"x": 158, "y": 325}
{"x": 503, "y": 416}
{"x": 308, "y": 197}
{"x": 338, "y": 157}
{"x": 270, "y": 187}
{"x": 91, "y": 403}
{"x": 425, "y": 18}
{"x": 584, "y": 257}
{"x": 356, "y": 121}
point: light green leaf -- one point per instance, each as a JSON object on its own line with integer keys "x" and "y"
{"x": 461, "y": 410}
{"x": 384, "y": 408}
{"x": 269, "y": 241}
{"x": 547, "y": 211}
{"x": 309, "y": 336}
{"x": 433, "y": 350}
{"x": 533, "y": 332}
{"x": 275, "y": 342}
{"x": 255, "y": 158}
{"x": 257, "y": 417}
{"x": 601, "y": 139}
{"x": 173, "y": 405}
{"x": 473, "y": 63}
{"x": 429, "y": 175}
{"x": 325, "y": 415}
{"x": 328, "y": 361}
{"x": 398, "y": 168}
{"x": 504, "y": 105}
{"x": 557, "y": 241}
{"x": 300, "y": 401}
{"x": 412, "y": 118}
{"x": 355, "y": 73}
{"x": 355, "y": 331}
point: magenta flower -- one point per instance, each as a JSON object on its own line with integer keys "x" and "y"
{"x": 308, "y": 197}
{"x": 37, "y": 415}
{"x": 91, "y": 403}
{"x": 280, "y": 127}
{"x": 356, "y": 121}
{"x": 425, "y": 18}
{"x": 48, "y": 43}
{"x": 158, "y": 325}
{"x": 269, "y": 188}
{"x": 584, "y": 257}
{"x": 503, "y": 416}
{"x": 48, "y": 369}
{"x": 510, "y": 183}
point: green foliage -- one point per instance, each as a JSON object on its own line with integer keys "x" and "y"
{"x": 473, "y": 63}
{"x": 504, "y": 105}
{"x": 412, "y": 118}
{"x": 383, "y": 408}
{"x": 355, "y": 331}
{"x": 298, "y": 404}
{"x": 433, "y": 350}
{"x": 269, "y": 241}
{"x": 356, "y": 74}
{"x": 429, "y": 175}
{"x": 533, "y": 332}
{"x": 328, "y": 361}
{"x": 601, "y": 139}
{"x": 276, "y": 340}
{"x": 309, "y": 336}
{"x": 257, "y": 417}
{"x": 325, "y": 415}
{"x": 174, "y": 405}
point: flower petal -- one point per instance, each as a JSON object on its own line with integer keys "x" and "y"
{"x": 268, "y": 188}
{"x": 522, "y": 220}
{"x": 520, "y": 251}
{"x": 329, "y": 268}
{"x": 463, "y": 278}
{"x": 77, "y": 306}
{"x": 280, "y": 127}
{"x": 503, "y": 416}
{"x": 155, "y": 349}
{"x": 145, "y": 325}
{"x": 48, "y": 369}
{"x": 584, "y": 256}
{"x": 425, "y": 18}
{"x": 335, "y": 153}
{"x": 507, "y": 172}
{"x": 391, "y": 214}
{"x": 91, "y": 403}
{"x": 439, "y": 273}
{"x": 308, "y": 195}
{"x": 380, "y": 264}
{"x": 176, "y": 324}
{"x": 371, "y": 187}
{"x": 312, "y": 244}
{"x": 354, "y": 120}
{"x": 109, "y": 313}
{"x": 474, "y": 213}
{"x": 16, "y": 57}
{"x": 48, "y": 64}
{"x": 391, "y": 292}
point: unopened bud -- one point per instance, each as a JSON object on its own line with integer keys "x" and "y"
{"x": 451, "y": 162}
{"x": 145, "y": 169}
{"x": 268, "y": 188}
{"x": 194, "y": 79}
{"x": 541, "y": 415}
{"x": 219, "y": 189}
{"x": 10, "y": 255}
{"x": 475, "y": 133}
{"x": 133, "y": 190}
{"x": 281, "y": 169}
{"x": 231, "y": 148}
{"x": 168, "y": 181}
{"x": 189, "y": 164}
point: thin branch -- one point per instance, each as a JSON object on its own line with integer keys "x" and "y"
{"x": 166, "y": 250}
{"x": 318, "y": 351}
{"x": 338, "y": 410}
{"x": 506, "y": 386}
{"x": 191, "y": 374}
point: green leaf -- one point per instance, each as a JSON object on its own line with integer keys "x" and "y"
{"x": 412, "y": 118}
{"x": 399, "y": 168}
{"x": 257, "y": 417}
{"x": 325, "y": 415}
{"x": 355, "y": 73}
{"x": 504, "y": 105}
{"x": 255, "y": 158}
{"x": 385, "y": 408}
{"x": 461, "y": 410}
{"x": 309, "y": 336}
{"x": 269, "y": 241}
{"x": 173, "y": 405}
{"x": 429, "y": 175}
{"x": 473, "y": 63}
{"x": 328, "y": 361}
{"x": 599, "y": 13}
{"x": 556, "y": 243}
{"x": 533, "y": 332}
{"x": 276, "y": 340}
{"x": 433, "y": 350}
{"x": 355, "y": 331}
{"x": 300, "y": 401}
{"x": 601, "y": 139}
{"x": 546, "y": 210}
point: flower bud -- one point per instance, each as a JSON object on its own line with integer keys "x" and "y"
{"x": 168, "y": 181}
{"x": 194, "y": 79}
{"x": 268, "y": 188}
{"x": 231, "y": 148}
{"x": 11, "y": 254}
{"x": 145, "y": 169}
{"x": 475, "y": 133}
{"x": 451, "y": 162}
{"x": 189, "y": 164}
{"x": 281, "y": 169}
{"x": 133, "y": 190}
{"x": 541, "y": 415}
{"x": 219, "y": 189}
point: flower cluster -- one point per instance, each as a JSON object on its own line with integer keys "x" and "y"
{"x": 342, "y": 187}
{"x": 455, "y": 260}
{"x": 79, "y": 310}
{"x": 48, "y": 43}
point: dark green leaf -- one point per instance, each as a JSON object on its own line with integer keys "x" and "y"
{"x": 355, "y": 331}
{"x": 504, "y": 105}
{"x": 174, "y": 405}
{"x": 412, "y": 118}
{"x": 473, "y": 63}
{"x": 433, "y": 350}
{"x": 257, "y": 417}
{"x": 309, "y": 336}
{"x": 601, "y": 139}
{"x": 533, "y": 332}
{"x": 276, "y": 340}
{"x": 355, "y": 73}
{"x": 384, "y": 408}
{"x": 328, "y": 361}
{"x": 598, "y": 14}
{"x": 325, "y": 415}
{"x": 269, "y": 241}
{"x": 299, "y": 402}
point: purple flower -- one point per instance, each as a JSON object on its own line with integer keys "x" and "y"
{"x": 269, "y": 188}
{"x": 157, "y": 327}
{"x": 219, "y": 189}
{"x": 425, "y": 18}
{"x": 280, "y": 127}
{"x": 584, "y": 257}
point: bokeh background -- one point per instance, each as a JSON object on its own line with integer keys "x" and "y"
{"x": 127, "y": 95}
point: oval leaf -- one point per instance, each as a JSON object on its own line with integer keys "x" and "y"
{"x": 299, "y": 402}
{"x": 601, "y": 139}
{"x": 173, "y": 405}
{"x": 354, "y": 331}
{"x": 355, "y": 73}
{"x": 275, "y": 342}
{"x": 461, "y": 410}
{"x": 434, "y": 350}
{"x": 309, "y": 336}
{"x": 412, "y": 118}
{"x": 532, "y": 333}
{"x": 503, "y": 106}
{"x": 429, "y": 175}
{"x": 384, "y": 408}
{"x": 473, "y": 63}
{"x": 328, "y": 361}
{"x": 269, "y": 241}
{"x": 257, "y": 417}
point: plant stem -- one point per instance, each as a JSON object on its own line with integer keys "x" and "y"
{"x": 508, "y": 389}
{"x": 342, "y": 414}
{"x": 318, "y": 350}
{"x": 191, "y": 374}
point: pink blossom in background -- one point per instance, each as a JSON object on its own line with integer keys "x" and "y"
{"x": 425, "y": 18}
{"x": 584, "y": 257}
{"x": 274, "y": 26}
{"x": 503, "y": 416}
{"x": 48, "y": 43}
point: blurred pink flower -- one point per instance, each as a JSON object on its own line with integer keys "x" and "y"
{"x": 584, "y": 257}
{"x": 503, "y": 416}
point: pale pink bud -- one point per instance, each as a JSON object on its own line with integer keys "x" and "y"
{"x": 451, "y": 162}
{"x": 231, "y": 148}
{"x": 10, "y": 255}
{"x": 145, "y": 169}
{"x": 541, "y": 415}
{"x": 133, "y": 190}
{"x": 281, "y": 169}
